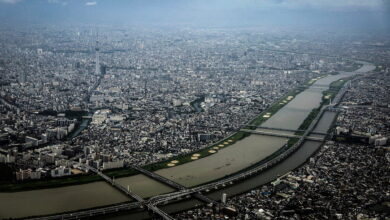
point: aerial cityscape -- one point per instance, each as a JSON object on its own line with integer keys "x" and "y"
{"x": 194, "y": 109}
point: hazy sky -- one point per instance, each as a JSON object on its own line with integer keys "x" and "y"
{"x": 359, "y": 14}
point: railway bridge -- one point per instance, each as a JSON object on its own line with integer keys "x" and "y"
{"x": 132, "y": 195}
{"x": 282, "y": 135}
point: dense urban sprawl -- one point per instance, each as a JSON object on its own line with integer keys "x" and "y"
{"x": 344, "y": 180}
{"x": 71, "y": 95}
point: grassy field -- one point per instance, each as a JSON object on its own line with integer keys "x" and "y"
{"x": 181, "y": 159}
{"x": 334, "y": 88}
{"x": 8, "y": 186}
{"x": 306, "y": 123}
{"x": 273, "y": 108}
{"x": 329, "y": 94}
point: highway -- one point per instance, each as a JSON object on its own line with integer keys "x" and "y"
{"x": 172, "y": 184}
{"x": 140, "y": 200}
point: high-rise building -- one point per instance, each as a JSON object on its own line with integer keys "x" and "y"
{"x": 223, "y": 199}
{"x": 97, "y": 64}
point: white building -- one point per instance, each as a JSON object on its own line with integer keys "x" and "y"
{"x": 61, "y": 171}
{"x": 113, "y": 165}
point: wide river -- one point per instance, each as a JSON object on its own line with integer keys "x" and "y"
{"x": 229, "y": 160}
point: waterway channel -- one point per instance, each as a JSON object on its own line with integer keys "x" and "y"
{"x": 226, "y": 161}
{"x": 83, "y": 125}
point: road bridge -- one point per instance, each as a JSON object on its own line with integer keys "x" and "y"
{"x": 274, "y": 129}
{"x": 128, "y": 192}
{"x": 281, "y": 135}
{"x": 172, "y": 184}
{"x": 284, "y": 129}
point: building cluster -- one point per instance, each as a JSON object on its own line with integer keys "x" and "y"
{"x": 50, "y": 161}
{"x": 371, "y": 91}
{"x": 158, "y": 93}
{"x": 343, "y": 180}
{"x": 366, "y": 110}
{"x": 24, "y": 131}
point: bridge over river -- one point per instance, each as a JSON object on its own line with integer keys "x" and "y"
{"x": 282, "y": 134}
{"x": 142, "y": 203}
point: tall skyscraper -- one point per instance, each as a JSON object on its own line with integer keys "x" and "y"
{"x": 97, "y": 67}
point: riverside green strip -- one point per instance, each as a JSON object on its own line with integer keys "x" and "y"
{"x": 47, "y": 183}
{"x": 328, "y": 95}
{"x": 280, "y": 103}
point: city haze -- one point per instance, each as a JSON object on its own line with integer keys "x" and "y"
{"x": 347, "y": 15}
